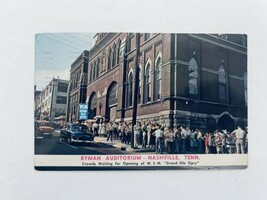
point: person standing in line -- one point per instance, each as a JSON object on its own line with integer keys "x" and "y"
{"x": 102, "y": 130}
{"x": 218, "y": 142}
{"x": 177, "y": 139}
{"x": 224, "y": 136}
{"x": 120, "y": 132}
{"x": 199, "y": 141}
{"x": 126, "y": 132}
{"x": 183, "y": 139}
{"x": 159, "y": 140}
{"x": 166, "y": 136}
{"x": 206, "y": 139}
{"x": 144, "y": 139}
{"x": 149, "y": 135}
{"x": 95, "y": 129}
{"x": 188, "y": 139}
{"x": 240, "y": 137}
{"x": 193, "y": 142}
{"x": 137, "y": 132}
{"x": 130, "y": 125}
{"x": 115, "y": 130}
{"x": 110, "y": 131}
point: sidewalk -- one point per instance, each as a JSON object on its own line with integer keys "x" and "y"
{"x": 124, "y": 147}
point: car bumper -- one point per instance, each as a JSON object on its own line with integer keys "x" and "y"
{"x": 82, "y": 139}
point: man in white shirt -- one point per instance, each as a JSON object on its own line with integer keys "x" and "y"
{"x": 183, "y": 139}
{"x": 240, "y": 136}
{"x": 159, "y": 140}
{"x": 95, "y": 129}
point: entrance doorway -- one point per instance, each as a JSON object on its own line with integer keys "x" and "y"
{"x": 92, "y": 106}
{"x": 226, "y": 122}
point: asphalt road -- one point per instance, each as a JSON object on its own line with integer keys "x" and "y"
{"x": 52, "y": 146}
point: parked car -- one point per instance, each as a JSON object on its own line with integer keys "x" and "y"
{"x": 76, "y": 133}
{"x": 43, "y": 128}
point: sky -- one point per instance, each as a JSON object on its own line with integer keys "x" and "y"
{"x": 55, "y": 52}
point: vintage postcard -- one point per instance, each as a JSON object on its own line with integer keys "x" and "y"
{"x": 123, "y": 101}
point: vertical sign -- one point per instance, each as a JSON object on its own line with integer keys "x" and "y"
{"x": 83, "y": 111}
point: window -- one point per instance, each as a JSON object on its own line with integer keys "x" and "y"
{"x": 130, "y": 90}
{"x": 222, "y": 85}
{"x": 130, "y": 40}
{"x": 61, "y": 100}
{"x": 193, "y": 78}
{"x": 147, "y": 36}
{"x": 62, "y": 87}
{"x": 91, "y": 73}
{"x": 158, "y": 79}
{"x": 114, "y": 57}
{"x": 113, "y": 94}
{"x": 93, "y": 102}
{"x": 147, "y": 84}
{"x": 118, "y": 52}
{"x": 109, "y": 59}
{"x": 139, "y": 86}
{"x": 246, "y": 88}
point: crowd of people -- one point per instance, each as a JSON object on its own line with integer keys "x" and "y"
{"x": 177, "y": 140}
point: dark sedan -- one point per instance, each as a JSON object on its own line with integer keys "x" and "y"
{"x": 76, "y": 133}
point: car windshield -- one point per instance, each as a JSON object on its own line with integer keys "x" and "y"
{"x": 79, "y": 128}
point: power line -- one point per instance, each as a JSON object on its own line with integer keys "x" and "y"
{"x": 61, "y": 43}
{"x": 76, "y": 38}
{"x": 85, "y": 36}
{"x": 68, "y": 41}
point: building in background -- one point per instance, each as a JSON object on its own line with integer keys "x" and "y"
{"x": 53, "y": 99}
{"x": 77, "y": 86}
{"x": 196, "y": 80}
{"x": 37, "y": 103}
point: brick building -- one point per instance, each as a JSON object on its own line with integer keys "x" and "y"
{"x": 198, "y": 80}
{"x": 78, "y": 85}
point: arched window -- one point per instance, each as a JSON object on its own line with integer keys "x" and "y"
{"x": 114, "y": 58}
{"x": 147, "y": 92}
{"x": 118, "y": 52}
{"x": 193, "y": 78}
{"x": 91, "y": 73}
{"x": 95, "y": 70}
{"x": 98, "y": 67}
{"x": 92, "y": 106}
{"x": 222, "y": 85}
{"x": 109, "y": 59}
{"x": 246, "y": 88}
{"x": 113, "y": 94}
{"x": 139, "y": 85}
{"x": 130, "y": 90}
{"x": 158, "y": 79}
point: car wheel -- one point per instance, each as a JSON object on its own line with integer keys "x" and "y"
{"x": 60, "y": 139}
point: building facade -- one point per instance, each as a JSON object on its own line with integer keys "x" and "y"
{"x": 78, "y": 85}
{"x": 37, "y": 103}
{"x": 54, "y": 99}
{"x": 196, "y": 80}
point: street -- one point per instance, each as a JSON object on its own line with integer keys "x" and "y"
{"x": 52, "y": 146}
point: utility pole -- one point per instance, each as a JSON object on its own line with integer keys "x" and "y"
{"x": 52, "y": 99}
{"x": 136, "y": 86}
{"x": 67, "y": 118}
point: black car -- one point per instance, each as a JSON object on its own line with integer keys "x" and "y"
{"x": 76, "y": 133}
